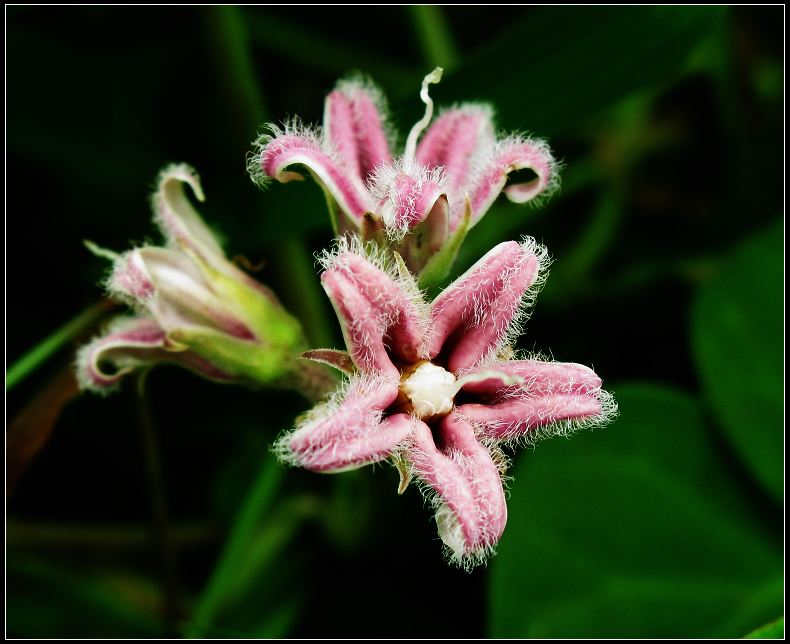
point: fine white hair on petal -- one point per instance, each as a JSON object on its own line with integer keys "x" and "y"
{"x": 483, "y": 300}
{"x": 383, "y": 259}
{"x": 359, "y": 81}
{"x": 486, "y": 145}
{"x": 86, "y": 358}
{"x": 455, "y": 548}
{"x": 381, "y": 180}
{"x": 291, "y": 127}
{"x": 516, "y": 435}
{"x": 353, "y": 395}
{"x": 383, "y": 187}
{"x": 515, "y": 327}
{"x": 183, "y": 172}
{"x": 127, "y": 274}
{"x": 468, "y": 107}
{"x": 555, "y": 166}
{"x": 482, "y": 163}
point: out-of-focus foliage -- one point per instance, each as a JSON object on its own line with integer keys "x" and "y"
{"x": 666, "y": 279}
{"x": 634, "y": 531}
{"x": 738, "y": 323}
{"x": 774, "y": 630}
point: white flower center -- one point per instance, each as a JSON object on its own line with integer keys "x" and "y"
{"x": 430, "y": 389}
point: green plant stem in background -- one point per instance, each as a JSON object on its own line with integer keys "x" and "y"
{"x": 297, "y": 285}
{"x": 433, "y": 35}
{"x": 93, "y": 537}
{"x": 246, "y": 525}
{"x": 48, "y": 347}
{"x": 774, "y": 630}
{"x": 237, "y": 77}
{"x": 257, "y": 535}
{"x": 303, "y": 294}
{"x": 315, "y": 51}
{"x": 173, "y": 610}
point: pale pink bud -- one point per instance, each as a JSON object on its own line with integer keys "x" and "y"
{"x": 197, "y": 309}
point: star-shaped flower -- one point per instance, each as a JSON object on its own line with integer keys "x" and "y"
{"x": 422, "y": 203}
{"x": 433, "y": 387}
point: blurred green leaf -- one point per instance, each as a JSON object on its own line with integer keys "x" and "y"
{"x": 234, "y": 568}
{"x": 317, "y": 50}
{"x": 251, "y": 564}
{"x": 433, "y": 35}
{"x": 54, "y": 342}
{"x": 49, "y": 599}
{"x": 738, "y": 340}
{"x": 560, "y": 65}
{"x": 637, "y": 530}
{"x": 774, "y": 630}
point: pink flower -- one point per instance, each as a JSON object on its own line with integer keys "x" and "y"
{"x": 422, "y": 203}
{"x": 195, "y": 308}
{"x": 434, "y": 387}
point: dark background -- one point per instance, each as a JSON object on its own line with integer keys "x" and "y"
{"x": 668, "y": 279}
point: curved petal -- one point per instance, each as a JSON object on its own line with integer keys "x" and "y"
{"x": 287, "y": 149}
{"x": 353, "y": 122}
{"x": 457, "y": 141}
{"x": 378, "y": 312}
{"x": 472, "y": 317}
{"x": 348, "y": 431}
{"x": 469, "y": 499}
{"x": 511, "y": 155}
{"x": 566, "y": 395}
{"x": 130, "y": 344}
{"x": 177, "y": 218}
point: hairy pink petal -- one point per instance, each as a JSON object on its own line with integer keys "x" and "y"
{"x": 533, "y": 377}
{"x": 517, "y": 417}
{"x": 455, "y": 141}
{"x": 354, "y": 127}
{"x": 287, "y": 150}
{"x": 512, "y": 155}
{"x": 130, "y": 344}
{"x": 408, "y": 200}
{"x": 471, "y": 510}
{"x": 349, "y": 434}
{"x": 130, "y": 279}
{"x": 376, "y": 313}
{"x": 362, "y": 325}
{"x": 546, "y": 393}
{"x": 471, "y": 317}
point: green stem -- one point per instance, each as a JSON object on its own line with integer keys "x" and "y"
{"x": 574, "y": 274}
{"x": 238, "y": 80}
{"x": 48, "y": 347}
{"x": 433, "y": 34}
{"x": 173, "y": 611}
{"x": 252, "y": 545}
{"x": 298, "y": 284}
{"x": 301, "y": 291}
{"x": 315, "y": 51}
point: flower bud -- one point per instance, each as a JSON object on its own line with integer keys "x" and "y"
{"x": 195, "y": 308}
